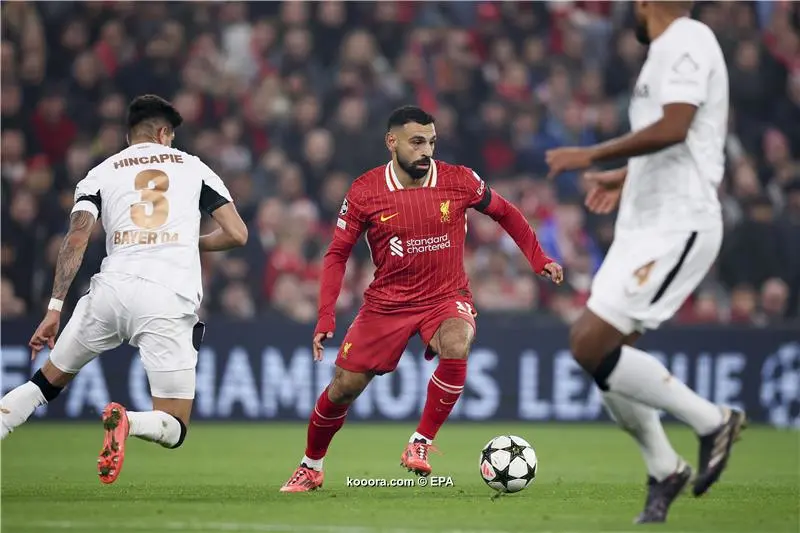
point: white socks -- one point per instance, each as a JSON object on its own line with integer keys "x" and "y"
{"x": 315, "y": 464}
{"x": 641, "y": 377}
{"x": 643, "y": 424}
{"x": 18, "y": 405}
{"x": 418, "y": 436}
{"x": 155, "y": 426}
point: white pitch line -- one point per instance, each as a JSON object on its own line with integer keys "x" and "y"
{"x": 254, "y": 527}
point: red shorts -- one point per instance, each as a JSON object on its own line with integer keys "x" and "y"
{"x": 376, "y": 339}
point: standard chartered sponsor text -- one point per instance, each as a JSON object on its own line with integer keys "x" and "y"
{"x": 428, "y": 244}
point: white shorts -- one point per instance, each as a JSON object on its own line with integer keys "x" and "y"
{"x": 647, "y": 276}
{"x": 119, "y": 308}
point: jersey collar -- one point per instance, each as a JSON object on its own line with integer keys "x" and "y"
{"x": 393, "y": 183}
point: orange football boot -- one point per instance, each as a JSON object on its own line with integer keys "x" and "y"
{"x": 304, "y": 479}
{"x": 415, "y": 458}
{"x": 115, "y": 423}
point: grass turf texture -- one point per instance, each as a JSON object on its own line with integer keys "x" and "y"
{"x": 226, "y": 478}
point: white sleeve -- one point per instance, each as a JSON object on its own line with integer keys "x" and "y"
{"x": 87, "y": 196}
{"x": 687, "y": 68}
{"x": 214, "y": 193}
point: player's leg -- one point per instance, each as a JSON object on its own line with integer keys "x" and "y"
{"x": 668, "y": 473}
{"x": 20, "y": 403}
{"x": 373, "y": 345}
{"x": 597, "y": 347}
{"x": 84, "y": 337}
{"x": 448, "y": 331}
{"x": 330, "y": 412}
{"x": 616, "y": 307}
{"x": 326, "y": 420}
{"x": 168, "y": 346}
{"x": 169, "y": 349}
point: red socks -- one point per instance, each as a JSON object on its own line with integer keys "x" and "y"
{"x": 444, "y": 389}
{"x": 326, "y": 419}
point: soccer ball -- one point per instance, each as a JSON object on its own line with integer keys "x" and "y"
{"x": 508, "y": 463}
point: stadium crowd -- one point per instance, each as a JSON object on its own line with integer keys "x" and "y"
{"x": 287, "y": 102}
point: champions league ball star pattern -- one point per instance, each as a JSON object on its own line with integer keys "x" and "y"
{"x": 508, "y": 463}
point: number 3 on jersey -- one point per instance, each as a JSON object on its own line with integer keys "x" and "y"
{"x": 153, "y": 195}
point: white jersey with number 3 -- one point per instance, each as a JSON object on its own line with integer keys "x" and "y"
{"x": 676, "y": 188}
{"x": 148, "y": 198}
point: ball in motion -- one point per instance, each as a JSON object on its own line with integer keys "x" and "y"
{"x": 508, "y": 463}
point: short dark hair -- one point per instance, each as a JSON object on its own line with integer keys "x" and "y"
{"x": 150, "y": 107}
{"x": 409, "y": 113}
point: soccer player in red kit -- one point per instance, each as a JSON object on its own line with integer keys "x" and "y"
{"x": 413, "y": 210}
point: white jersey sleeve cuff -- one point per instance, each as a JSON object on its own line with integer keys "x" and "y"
{"x": 683, "y": 97}
{"x": 86, "y": 205}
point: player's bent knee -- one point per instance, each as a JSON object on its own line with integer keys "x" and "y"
{"x": 579, "y": 338}
{"x": 591, "y": 340}
{"x": 343, "y": 392}
{"x": 347, "y": 386}
{"x": 455, "y": 350}
{"x": 54, "y": 375}
{"x": 454, "y": 339}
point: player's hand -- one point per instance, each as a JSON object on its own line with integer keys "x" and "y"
{"x": 45, "y": 334}
{"x": 609, "y": 179}
{"x": 554, "y": 273}
{"x": 317, "y": 346}
{"x": 602, "y": 201}
{"x": 568, "y": 158}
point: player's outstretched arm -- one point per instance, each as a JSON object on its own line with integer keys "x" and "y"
{"x": 671, "y": 129}
{"x": 514, "y": 223}
{"x": 232, "y": 232}
{"x": 70, "y": 257}
{"x": 334, "y": 265}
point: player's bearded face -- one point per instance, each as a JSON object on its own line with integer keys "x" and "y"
{"x": 416, "y": 168}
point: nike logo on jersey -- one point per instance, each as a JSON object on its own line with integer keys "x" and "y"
{"x": 385, "y": 218}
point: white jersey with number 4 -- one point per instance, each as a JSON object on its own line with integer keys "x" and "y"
{"x": 676, "y": 188}
{"x": 149, "y": 198}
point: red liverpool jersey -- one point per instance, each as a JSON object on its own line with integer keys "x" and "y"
{"x": 415, "y": 236}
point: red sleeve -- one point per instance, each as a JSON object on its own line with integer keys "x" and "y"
{"x": 349, "y": 226}
{"x": 513, "y": 222}
{"x": 352, "y": 221}
{"x": 333, "y": 267}
{"x": 475, "y": 186}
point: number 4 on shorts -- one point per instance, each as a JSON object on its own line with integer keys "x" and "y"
{"x": 465, "y": 308}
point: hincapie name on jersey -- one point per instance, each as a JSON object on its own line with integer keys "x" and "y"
{"x": 145, "y": 237}
{"x": 148, "y": 160}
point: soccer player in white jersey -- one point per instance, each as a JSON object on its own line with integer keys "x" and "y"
{"x": 149, "y": 198}
{"x": 668, "y": 234}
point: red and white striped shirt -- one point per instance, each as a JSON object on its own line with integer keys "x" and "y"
{"x": 415, "y": 236}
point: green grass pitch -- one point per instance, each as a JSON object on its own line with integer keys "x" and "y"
{"x": 226, "y": 478}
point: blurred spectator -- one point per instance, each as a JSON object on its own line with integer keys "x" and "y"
{"x": 753, "y": 252}
{"x": 287, "y": 101}
{"x": 11, "y": 306}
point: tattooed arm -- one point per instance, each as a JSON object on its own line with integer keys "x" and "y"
{"x": 70, "y": 256}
